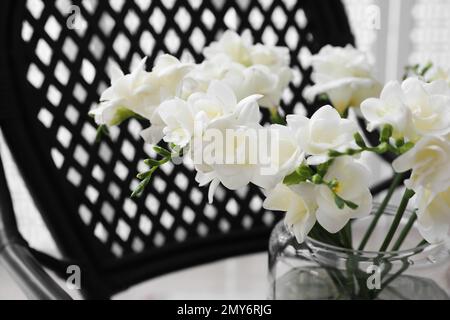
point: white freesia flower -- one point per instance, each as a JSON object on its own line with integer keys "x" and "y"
{"x": 270, "y": 56}
{"x": 124, "y": 97}
{"x": 284, "y": 156}
{"x": 219, "y": 67}
{"x": 176, "y": 118}
{"x": 259, "y": 79}
{"x": 390, "y": 108}
{"x": 170, "y": 72}
{"x": 265, "y": 60}
{"x": 325, "y": 131}
{"x": 345, "y": 75}
{"x": 429, "y": 105}
{"x": 433, "y": 214}
{"x": 228, "y": 161}
{"x": 139, "y": 92}
{"x": 240, "y": 49}
{"x": 218, "y": 101}
{"x": 429, "y": 161}
{"x": 299, "y": 204}
{"x": 353, "y": 179}
{"x": 232, "y": 45}
{"x": 264, "y": 69}
{"x": 305, "y": 202}
{"x": 414, "y": 109}
{"x": 155, "y": 133}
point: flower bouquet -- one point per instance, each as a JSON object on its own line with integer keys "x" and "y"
{"x": 335, "y": 241}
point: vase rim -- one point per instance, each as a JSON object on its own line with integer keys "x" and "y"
{"x": 389, "y": 210}
{"x": 399, "y": 253}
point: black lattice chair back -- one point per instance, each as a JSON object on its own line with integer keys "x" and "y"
{"x": 57, "y": 71}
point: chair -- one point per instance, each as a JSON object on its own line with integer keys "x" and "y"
{"x": 53, "y": 72}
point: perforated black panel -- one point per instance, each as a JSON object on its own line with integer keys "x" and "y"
{"x": 66, "y": 70}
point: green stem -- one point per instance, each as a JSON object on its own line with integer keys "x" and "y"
{"x": 338, "y": 278}
{"x": 275, "y": 117}
{"x": 343, "y": 239}
{"x": 405, "y": 232}
{"x": 395, "y": 183}
{"x": 345, "y": 236}
{"x": 102, "y": 131}
{"x": 154, "y": 165}
{"x": 398, "y": 216}
{"x": 421, "y": 243}
{"x": 348, "y": 230}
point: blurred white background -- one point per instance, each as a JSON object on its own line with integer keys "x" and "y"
{"x": 394, "y": 33}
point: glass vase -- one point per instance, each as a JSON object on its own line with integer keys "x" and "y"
{"x": 317, "y": 270}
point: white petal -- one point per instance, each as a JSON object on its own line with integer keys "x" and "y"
{"x": 164, "y": 61}
{"x": 212, "y": 190}
{"x": 153, "y": 135}
{"x": 334, "y": 221}
{"x": 278, "y": 199}
{"x": 115, "y": 72}
{"x": 307, "y": 191}
{"x": 296, "y": 121}
{"x": 223, "y": 94}
{"x": 326, "y": 112}
{"x": 316, "y": 160}
{"x": 364, "y": 203}
{"x": 237, "y": 181}
{"x": 340, "y": 98}
{"x": 248, "y": 112}
{"x": 302, "y": 229}
{"x": 139, "y": 69}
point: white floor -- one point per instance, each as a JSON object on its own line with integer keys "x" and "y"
{"x": 242, "y": 278}
{"x": 8, "y": 288}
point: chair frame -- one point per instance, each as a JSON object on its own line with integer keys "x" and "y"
{"x": 16, "y": 256}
